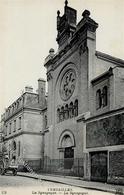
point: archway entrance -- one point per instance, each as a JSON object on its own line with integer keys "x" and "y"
{"x": 66, "y": 146}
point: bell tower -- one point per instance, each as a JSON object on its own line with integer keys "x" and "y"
{"x": 66, "y": 25}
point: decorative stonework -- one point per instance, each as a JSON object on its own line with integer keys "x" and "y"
{"x": 67, "y": 85}
{"x": 49, "y": 76}
{"x": 67, "y": 111}
{"x": 83, "y": 48}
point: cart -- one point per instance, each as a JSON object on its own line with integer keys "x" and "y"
{"x": 5, "y": 167}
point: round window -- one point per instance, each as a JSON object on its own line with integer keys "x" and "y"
{"x": 67, "y": 85}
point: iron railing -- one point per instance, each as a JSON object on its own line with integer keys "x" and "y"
{"x": 67, "y": 166}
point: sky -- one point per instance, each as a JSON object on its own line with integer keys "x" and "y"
{"x": 28, "y": 31}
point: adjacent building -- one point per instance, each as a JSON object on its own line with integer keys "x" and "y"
{"x": 22, "y": 125}
{"x": 85, "y": 108}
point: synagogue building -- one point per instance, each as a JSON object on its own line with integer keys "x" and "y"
{"x": 85, "y": 108}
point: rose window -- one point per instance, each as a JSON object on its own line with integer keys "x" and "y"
{"x": 68, "y": 84}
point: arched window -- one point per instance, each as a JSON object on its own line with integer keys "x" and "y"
{"x": 105, "y": 96}
{"x": 71, "y": 110}
{"x": 76, "y": 108}
{"x": 66, "y": 111}
{"x": 58, "y": 115}
{"x": 14, "y": 126}
{"x": 10, "y": 128}
{"x": 5, "y": 130}
{"x": 20, "y": 123}
{"x": 17, "y": 104}
{"x": 98, "y": 99}
{"x": 14, "y": 145}
{"x": 62, "y": 113}
{"x": 13, "y": 108}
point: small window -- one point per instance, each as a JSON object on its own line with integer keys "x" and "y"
{"x": 105, "y": 96}
{"x": 14, "y": 125}
{"x": 14, "y": 145}
{"x": 6, "y": 130}
{"x": 98, "y": 99}
{"x": 76, "y": 108}
{"x": 10, "y": 128}
{"x": 17, "y": 104}
{"x": 20, "y": 122}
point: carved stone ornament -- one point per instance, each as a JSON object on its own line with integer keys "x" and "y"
{"x": 49, "y": 76}
{"x": 67, "y": 85}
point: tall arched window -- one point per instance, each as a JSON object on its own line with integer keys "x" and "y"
{"x": 17, "y": 104}
{"x": 76, "y": 108}
{"x": 62, "y": 113}
{"x": 105, "y": 96}
{"x": 14, "y": 145}
{"x": 66, "y": 111}
{"x": 98, "y": 99}
{"x": 58, "y": 115}
{"x": 71, "y": 110}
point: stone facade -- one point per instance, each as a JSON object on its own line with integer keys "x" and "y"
{"x": 22, "y": 125}
{"x": 85, "y": 98}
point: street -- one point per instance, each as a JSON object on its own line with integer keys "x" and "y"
{"x": 34, "y": 186}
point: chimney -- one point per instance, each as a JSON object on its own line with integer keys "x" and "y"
{"x": 41, "y": 92}
{"x": 29, "y": 89}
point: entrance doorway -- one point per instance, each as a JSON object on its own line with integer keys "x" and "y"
{"x": 66, "y": 147}
{"x": 99, "y": 166}
{"x": 68, "y": 158}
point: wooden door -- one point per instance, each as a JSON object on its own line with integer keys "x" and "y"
{"x": 68, "y": 158}
{"x": 99, "y": 166}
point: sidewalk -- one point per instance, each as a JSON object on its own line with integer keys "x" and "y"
{"x": 74, "y": 181}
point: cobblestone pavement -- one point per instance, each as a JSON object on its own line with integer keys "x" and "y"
{"x": 34, "y": 186}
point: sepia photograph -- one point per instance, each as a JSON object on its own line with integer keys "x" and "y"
{"x": 62, "y": 97}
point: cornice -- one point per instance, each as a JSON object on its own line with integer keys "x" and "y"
{"x": 22, "y": 110}
{"x": 14, "y": 114}
{"x": 109, "y": 58}
{"x": 105, "y": 114}
{"x": 22, "y": 133}
{"x": 103, "y": 76}
{"x": 66, "y": 53}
